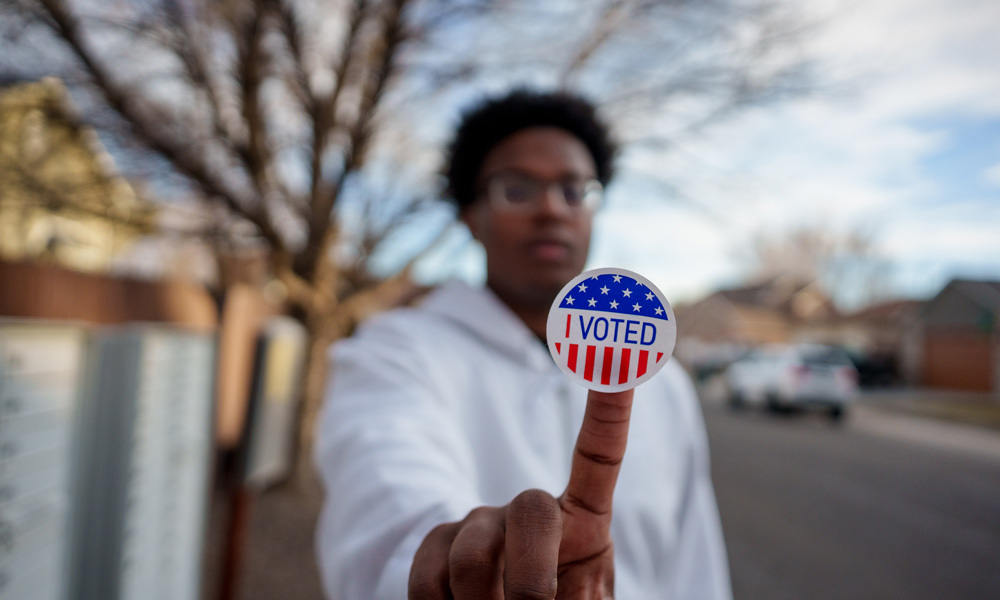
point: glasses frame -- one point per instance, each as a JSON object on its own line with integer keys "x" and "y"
{"x": 494, "y": 193}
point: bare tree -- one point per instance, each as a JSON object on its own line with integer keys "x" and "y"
{"x": 847, "y": 264}
{"x": 309, "y": 122}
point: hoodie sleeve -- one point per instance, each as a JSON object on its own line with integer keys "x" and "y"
{"x": 391, "y": 462}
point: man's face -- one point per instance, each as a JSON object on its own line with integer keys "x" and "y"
{"x": 532, "y": 253}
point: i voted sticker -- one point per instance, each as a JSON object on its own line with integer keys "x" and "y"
{"x": 611, "y": 329}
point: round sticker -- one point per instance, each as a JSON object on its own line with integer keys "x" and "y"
{"x": 611, "y": 329}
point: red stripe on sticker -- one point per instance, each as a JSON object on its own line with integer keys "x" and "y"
{"x": 623, "y": 371}
{"x": 643, "y": 359}
{"x": 568, "y": 317}
{"x": 659, "y": 355}
{"x": 588, "y": 370}
{"x": 558, "y": 348}
{"x": 572, "y": 357}
{"x": 609, "y": 355}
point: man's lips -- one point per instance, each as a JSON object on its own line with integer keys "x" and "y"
{"x": 549, "y": 250}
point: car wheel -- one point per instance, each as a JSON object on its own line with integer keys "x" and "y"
{"x": 837, "y": 413}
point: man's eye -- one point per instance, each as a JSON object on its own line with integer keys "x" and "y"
{"x": 573, "y": 192}
{"x": 518, "y": 191}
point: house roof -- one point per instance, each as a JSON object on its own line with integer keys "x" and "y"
{"x": 984, "y": 293}
{"x": 885, "y": 310}
{"x": 777, "y": 293}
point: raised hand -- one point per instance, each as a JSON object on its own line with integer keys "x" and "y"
{"x": 537, "y": 547}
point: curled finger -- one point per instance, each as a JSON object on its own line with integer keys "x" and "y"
{"x": 429, "y": 576}
{"x": 476, "y": 559}
{"x": 533, "y": 534}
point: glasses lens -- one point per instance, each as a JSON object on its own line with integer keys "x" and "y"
{"x": 524, "y": 192}
{"x": 573, "y": 192}
{"x": 593, "y": 195}
{"x": 516, "y": 189}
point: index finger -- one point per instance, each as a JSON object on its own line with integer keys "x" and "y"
{"x": 600, "y": 448}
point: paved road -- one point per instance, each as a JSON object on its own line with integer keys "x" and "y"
{"x": 882, "y": 507}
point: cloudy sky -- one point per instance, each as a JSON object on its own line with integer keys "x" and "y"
{"x": 907, "y": 152}
{"x": 905, "y": 149}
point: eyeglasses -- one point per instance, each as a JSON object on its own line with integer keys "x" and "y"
{"x": 516, "y": 192}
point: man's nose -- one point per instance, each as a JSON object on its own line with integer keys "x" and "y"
{"x": 553, "y": 201}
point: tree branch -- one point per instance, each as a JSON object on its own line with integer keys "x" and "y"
{"x": 605, "y": 28}
{"x": 250, "y": 69}
{"x": 322, "y": 238}
{"x": 194, "y": 57}
{"x": 56, "y": 200}
{"x": 324, "y": 122}
{"x": 67, "y": 28}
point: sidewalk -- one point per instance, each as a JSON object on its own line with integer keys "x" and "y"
{"x": 970, "y": 408}
{"x": 279, "y": 561}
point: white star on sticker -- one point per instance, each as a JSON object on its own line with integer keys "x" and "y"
{"x": 627, "y": 293}
{"x": 618, "y": 278}
{"x": 649, "y": 296}
{"x": 604, "y": 290}
{"x": 591, "y": 302}
{"x": 636, "y": 307}
{"x": 569, "y": 299}
{"x": 582, "y": 287}
{"x": 659, "y": 310}
{"x": 614, "y": 304}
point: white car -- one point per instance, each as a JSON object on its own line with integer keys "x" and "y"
{"x": 790, "y": 376}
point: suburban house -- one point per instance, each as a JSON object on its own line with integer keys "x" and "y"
{"x": 955, "y": 338}
{"x": 62, "y": 200}
{"x": 774, "y": 310}
{"x": 763, "y": 312}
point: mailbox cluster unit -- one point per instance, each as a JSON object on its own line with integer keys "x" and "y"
{"x": 41, "y": 369}
{"x": 107, "y": 484}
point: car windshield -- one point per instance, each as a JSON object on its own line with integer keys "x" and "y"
{"x": 824, "y": 356}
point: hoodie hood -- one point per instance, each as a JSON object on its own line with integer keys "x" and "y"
{"x": 479, "y": 311}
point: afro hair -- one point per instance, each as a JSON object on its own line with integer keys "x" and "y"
{"x": 494, "y": 119}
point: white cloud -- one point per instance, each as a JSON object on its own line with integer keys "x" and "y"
{"x": 992, "y": 175}
{"x": 680, "y": 251}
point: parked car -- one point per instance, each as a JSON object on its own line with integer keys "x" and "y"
{"x": 875, "y": 369}
{"x": 792, "y": 376}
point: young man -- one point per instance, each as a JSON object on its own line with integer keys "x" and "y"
{"x": 460, "y": 462}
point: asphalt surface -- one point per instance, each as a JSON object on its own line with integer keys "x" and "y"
{"x": 881, "y": 506}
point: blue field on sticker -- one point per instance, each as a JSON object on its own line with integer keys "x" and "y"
{"x": 614, "y": 293}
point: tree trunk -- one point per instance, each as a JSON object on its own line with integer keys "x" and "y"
{"x": 314, "y": 384}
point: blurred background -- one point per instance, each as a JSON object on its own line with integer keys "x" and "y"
{"x": 197, "y": 198}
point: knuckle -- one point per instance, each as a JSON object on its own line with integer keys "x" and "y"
{"x": 482, "y": 514}
{"x": 578, "y": 502}
{"x": 441, "y": 530}
{"x": 535, "y": 507}
{"x": 426, "y": 581}
{"x": 430, "y": 559}
{"x": 538, "y": 501}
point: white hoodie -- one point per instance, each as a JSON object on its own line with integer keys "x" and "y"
{"x": 433, "y": 411}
